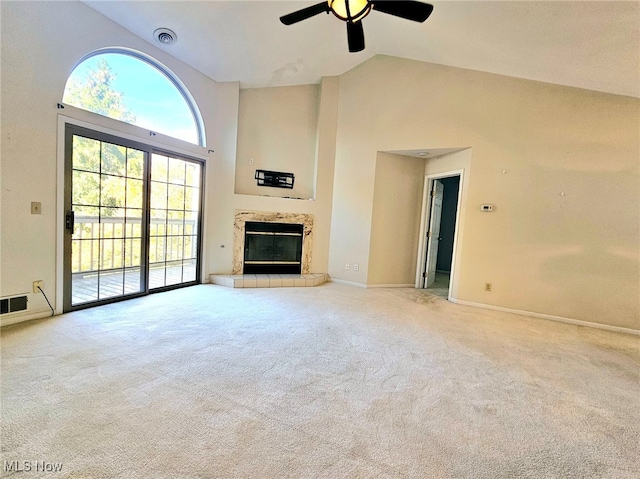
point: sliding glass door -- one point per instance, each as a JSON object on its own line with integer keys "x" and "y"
{"x": 132, "y": 219}
{"x": 175, "y": 218}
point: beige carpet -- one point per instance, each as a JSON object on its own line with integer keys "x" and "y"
{"x": 329, "y": 382}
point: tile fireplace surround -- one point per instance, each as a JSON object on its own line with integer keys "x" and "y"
{"x": 239, "y": 280}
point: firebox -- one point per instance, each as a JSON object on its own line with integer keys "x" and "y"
{"x": 272, "y": 248}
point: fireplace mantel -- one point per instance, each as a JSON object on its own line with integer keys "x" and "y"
{"x": 242, "y": 216}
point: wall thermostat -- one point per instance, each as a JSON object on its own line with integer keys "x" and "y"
{"x": 486, "y": 208}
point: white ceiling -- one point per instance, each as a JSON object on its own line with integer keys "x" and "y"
{"x": 592, "y": 45}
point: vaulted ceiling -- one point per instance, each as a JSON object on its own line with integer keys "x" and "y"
{"x": 592, "y": 45}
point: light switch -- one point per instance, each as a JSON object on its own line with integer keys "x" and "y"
{"x": 36, "y": 208}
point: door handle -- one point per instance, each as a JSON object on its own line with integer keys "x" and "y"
{"x": 69, "y": 220}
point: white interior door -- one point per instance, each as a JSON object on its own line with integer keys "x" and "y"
{"x": 433, "y": 235}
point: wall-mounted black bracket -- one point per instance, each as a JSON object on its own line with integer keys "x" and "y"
{"x": 277, "y": 179}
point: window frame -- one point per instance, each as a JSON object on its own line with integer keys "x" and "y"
{"x": 67, "y": 129}
{"x": 163, "y": 70}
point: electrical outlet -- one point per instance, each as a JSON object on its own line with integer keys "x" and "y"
{"x": 487, "y": 286}
{"x": 38, "y": 284}
{"x": 356, "y": 267}
{"x": 251, "y": 161}
{"x": 346, "y": 266}
{"x": 36, "y": 208}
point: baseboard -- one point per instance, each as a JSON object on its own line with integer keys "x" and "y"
{"x": 363, "y": 285}
{"x": 560, "y": 319}
{"x": 21, "y": 318}
{"x": 408, "y": 285}
{"x": 349, "y": 283}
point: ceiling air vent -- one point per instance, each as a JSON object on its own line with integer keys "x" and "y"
{"x": 165, "y": 36}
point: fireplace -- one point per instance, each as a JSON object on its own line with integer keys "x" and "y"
{"x": 243, "y": 217}
{"x": 272, "y": 248}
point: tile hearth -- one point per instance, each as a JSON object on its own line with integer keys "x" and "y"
{"x": 269, "y": 280}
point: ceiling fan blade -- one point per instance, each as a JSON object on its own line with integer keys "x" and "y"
{"x": 305, "y": 13}
{"x": 416, "y": 11}
{"x": 355, "y": 36}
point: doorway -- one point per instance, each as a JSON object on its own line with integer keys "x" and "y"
{"x": 132, "y": 219}
{"x": 441, "y": 207}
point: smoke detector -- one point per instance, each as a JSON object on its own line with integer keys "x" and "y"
{"x": 165, "y": 36}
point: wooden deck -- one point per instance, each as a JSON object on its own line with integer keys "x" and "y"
{"x": 89, "y": 287}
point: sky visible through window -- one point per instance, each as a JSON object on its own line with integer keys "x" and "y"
{"x": 147, "y": 93}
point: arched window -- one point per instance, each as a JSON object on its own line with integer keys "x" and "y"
{"x": 130, "y": 86}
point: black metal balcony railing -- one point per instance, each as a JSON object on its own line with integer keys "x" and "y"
{"x": 106, "y": 257}
{"x": 104, "y": 243}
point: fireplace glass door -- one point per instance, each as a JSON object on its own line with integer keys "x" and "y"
{"x": 272, "y": 248}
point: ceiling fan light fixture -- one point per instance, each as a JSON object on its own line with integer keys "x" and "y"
{"x": 353, "y": 11}
{"x": 350, "y": 10}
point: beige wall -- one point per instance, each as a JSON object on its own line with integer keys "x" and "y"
{"x": 395, "y": 226}
{"x": 220, "y": 187}
{"x": 563, "y": 239}
{"x": 52, "y": 37}
{"x": 572, "y": 255}
{"x": 277, "y": 128}
{"x": 41, "y": 43}
{"x": 223, "y": 202}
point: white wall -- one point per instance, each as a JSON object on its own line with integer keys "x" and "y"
{"x": 277, "y": 128}
{"x": 225, "y": 205}
{"x": 395, "y": 226}
{"x": 41, "y": 43}
{"x": 220, "y": 187}
{"x": 574, "y": 255}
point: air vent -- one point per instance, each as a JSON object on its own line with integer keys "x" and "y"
{"x": 11, "y": 305}
{"x": 165, "y": 36}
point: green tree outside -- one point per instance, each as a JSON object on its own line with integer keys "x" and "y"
{"x": 107, "y": 178}
{"x": 95, "y": 93}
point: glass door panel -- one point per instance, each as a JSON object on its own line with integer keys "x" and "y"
{"x": 175, "y": 217}
{"x": 106, "y": 197}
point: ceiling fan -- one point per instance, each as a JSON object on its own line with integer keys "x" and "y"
{"x": 353, "y": 11}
